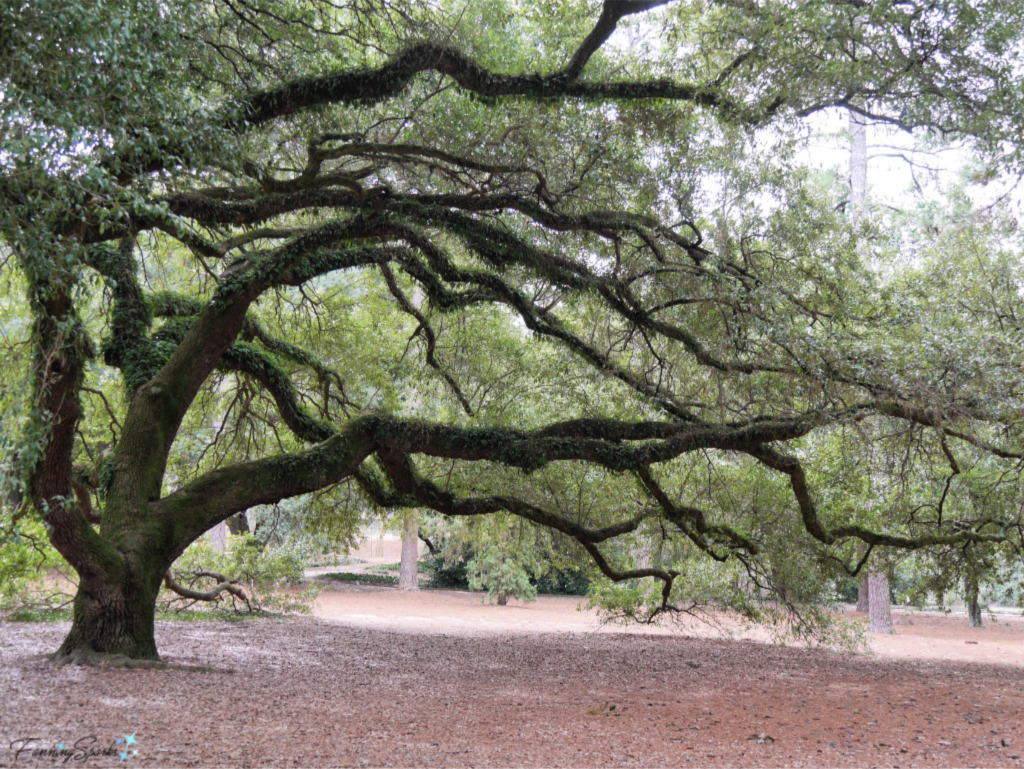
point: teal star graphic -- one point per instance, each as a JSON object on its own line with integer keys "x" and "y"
{"x": 118, "y": 741}
{"x": 124, "y": 756}
{"x": 129, "y": 739}
{"x": 61, "y": 746}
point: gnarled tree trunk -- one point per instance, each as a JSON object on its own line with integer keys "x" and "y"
{"x": 113, "y": 617}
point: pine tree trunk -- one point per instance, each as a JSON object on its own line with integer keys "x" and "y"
{"x": 879, "y": 614}
{"x": 973, "y": 607}
{"x": 219, "y": 537}
{"x": 858, "y": 167}
{"x": 863, "y": 594}
{"x": 863, "y": 598}
{"x": 408, "y": 578}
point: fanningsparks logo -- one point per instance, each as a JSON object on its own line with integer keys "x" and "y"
{"x": 81, "y": 750}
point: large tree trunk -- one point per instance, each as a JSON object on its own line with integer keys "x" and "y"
{"x": 113, "y": 617}
{"x": 880, "y": 617}
{"x": 408, "y": 578}
{"x": 973, "y": 607}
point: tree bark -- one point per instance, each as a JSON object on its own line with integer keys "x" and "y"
{"x": 879, "y": 614}
{"x": 238, "y": 524}
{"x": 113, "y": 617}
{"x": 863, "y": 594}
{"x": 408, "y": 578}
{"x": 219, "y": 537}
{"x": 973, "y": 607}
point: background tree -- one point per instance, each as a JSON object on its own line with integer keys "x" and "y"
{"x": 186, "y": 185}
{"x": 408, "y": 576}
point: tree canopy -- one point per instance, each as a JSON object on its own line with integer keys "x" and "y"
{"x": 557, "y": 262}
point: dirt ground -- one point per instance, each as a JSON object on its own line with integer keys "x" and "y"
{"x": 435, "y": 678}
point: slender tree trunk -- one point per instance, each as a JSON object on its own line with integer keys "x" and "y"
{"x": 973, "y": 607}
{"x": 863, "y": 594}
{"x": 219, "y": 537}
{"x": 238, "y": 524}
{"x": 879, "y": 613}
{"x": 408, "y": 578}
{"x": 502, "y": 599}
{"x": 858, "y": 167}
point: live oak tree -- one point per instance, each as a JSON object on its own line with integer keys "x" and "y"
{"x": 526, "y": 186}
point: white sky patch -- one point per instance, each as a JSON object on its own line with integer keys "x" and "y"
{"x": 901, "y": 170}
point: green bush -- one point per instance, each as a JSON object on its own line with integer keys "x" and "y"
{"x": 35, "y": 582}
{"x": 502, "y": 574}
{"x": 363, "y": 578}
{"x": 563, "y": 583}
{"x": 449, "y": 575}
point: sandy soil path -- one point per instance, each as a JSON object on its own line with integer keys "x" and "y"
{"x": 920, "y": 635}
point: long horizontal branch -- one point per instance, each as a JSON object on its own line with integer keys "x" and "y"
{"x": 409, "y": 483}
{"x": 231, "y": 489}
{"x": 391, "y": 79}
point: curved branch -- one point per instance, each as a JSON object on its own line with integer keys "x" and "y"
{"x": 428, "y": 333}
{"x": 224, "y": 585}
{"x": 611, "y": 13}
{"x": 411, "y": 485}
{"x": 809, "y": 514}
{"x": 683, "y": 515}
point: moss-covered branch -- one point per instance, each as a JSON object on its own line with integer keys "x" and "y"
{"x": 220, "y": 493}
{"x": 391, "y": 79}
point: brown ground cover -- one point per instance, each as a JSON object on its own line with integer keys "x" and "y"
{"x": 437, "y": 679}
